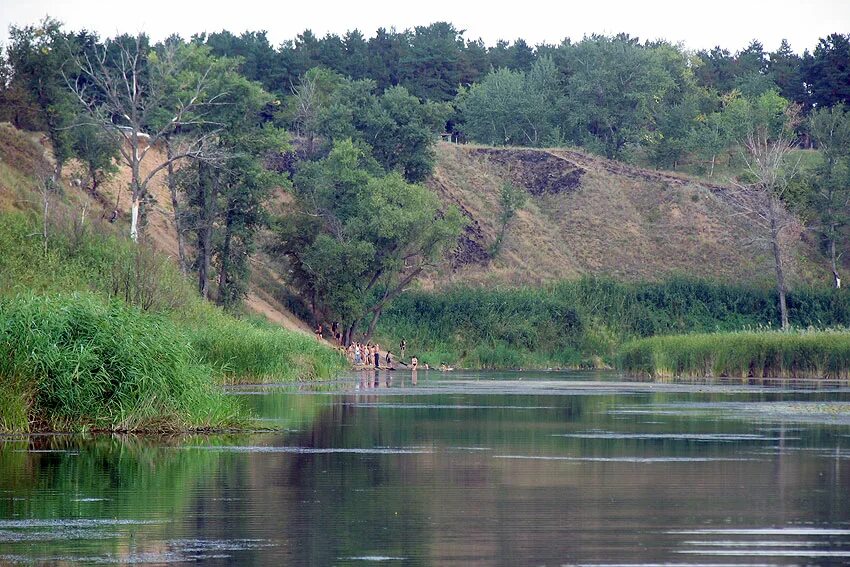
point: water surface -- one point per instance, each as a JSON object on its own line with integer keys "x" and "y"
{"x": 465, "y": 469}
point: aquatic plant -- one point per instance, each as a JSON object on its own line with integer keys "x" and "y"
{"x": 766, "y": 354}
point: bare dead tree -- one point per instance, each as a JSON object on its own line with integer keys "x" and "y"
{"x": 765, "y": 152}
{"x": 307, "y": 97}
{"x": 123, "y": 92}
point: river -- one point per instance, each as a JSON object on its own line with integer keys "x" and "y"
{"x": 579, "y": 468}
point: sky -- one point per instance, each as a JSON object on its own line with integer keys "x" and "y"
{"x": 732, "y": 24}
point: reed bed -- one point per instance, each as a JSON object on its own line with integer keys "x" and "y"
{"x": 75, "y": 362}
{"x": 746, "y": 354}
{"x": 584, "y": 322}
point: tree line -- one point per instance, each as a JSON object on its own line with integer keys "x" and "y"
{"x": 357, "y": 227}
{"x": 348, "y": 125}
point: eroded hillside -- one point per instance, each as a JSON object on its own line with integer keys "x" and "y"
{"x": 582, "y": 215}
{"x": 588, "y": 215}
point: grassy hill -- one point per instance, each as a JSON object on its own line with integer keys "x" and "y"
{"x": 586, "y": 215}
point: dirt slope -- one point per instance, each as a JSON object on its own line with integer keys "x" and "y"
{"x": 583, "y": 215}
{"x": 589, "y": 215}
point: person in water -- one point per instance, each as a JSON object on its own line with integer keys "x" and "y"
{"x": 388, "y": 359}
{"x": 414, "y": 362}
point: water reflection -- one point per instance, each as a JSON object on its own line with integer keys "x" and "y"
{"x": 453, "y": 469}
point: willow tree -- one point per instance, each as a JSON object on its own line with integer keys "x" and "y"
{"x": 356, "y": 238}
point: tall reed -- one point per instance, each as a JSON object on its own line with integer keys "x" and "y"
{"x": 82, "y": 363}
{"x": 765, "y": 354}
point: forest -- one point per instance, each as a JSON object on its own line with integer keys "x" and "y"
{"x": 348, "y": 125}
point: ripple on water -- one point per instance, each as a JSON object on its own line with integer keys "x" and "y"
{"x": 316, "y": 450}
{"x": 74, "y": 523}
{"x": 175, "y": 551}
{"x": 702, "y": 437}
{"x": 440, "y": 406}
{"x": 625, "y": 459}
{"x": 374, "y": 558}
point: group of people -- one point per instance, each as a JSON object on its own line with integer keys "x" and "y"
{"x": 368, "y": 354}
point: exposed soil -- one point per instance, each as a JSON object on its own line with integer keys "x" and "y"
{"x": 536, "y": 171}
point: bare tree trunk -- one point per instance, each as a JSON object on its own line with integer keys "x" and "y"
{"x": 835, "y": 276}
{"x": 373, "y": 323}
{"x": 206, "y": 201}
{"x": 777, "y": 259}
{"x": 134, "y": 218}
{"x": 175, "y": 205}
{"x": 349, "y": 333}
{"x": 45, "y": 194}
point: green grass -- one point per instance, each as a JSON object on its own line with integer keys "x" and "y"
{"x": 253, "y": 352}
{"x": 766, "y": 354}
{"x": 584, "y": 322}
{"x": 119, "y": 340}
{"x": 81, "y": 363}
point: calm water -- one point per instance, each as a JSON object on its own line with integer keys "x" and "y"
{"x": 465, "y": 469}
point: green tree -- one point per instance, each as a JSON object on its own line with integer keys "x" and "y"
{"x": 613, "y": 93}
{"x": 512, "y": 107}
{"x": 784, "y": 68}
{"x": 225, "y": 191}
{"x": 96, "y": 149}
{"x": 826, "y": 71}
{"x": 356, "y": 238}
{"x": 830, "y": 128}
{"x": 37, "y": 56}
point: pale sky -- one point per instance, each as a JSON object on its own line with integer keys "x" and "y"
{"x": 728, "y": 23}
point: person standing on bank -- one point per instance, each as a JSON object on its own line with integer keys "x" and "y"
{"x": 401, "y": 347}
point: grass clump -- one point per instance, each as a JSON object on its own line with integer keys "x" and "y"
{"x": 250, "y": 351}
{"x": 93, "y": 261}
{"x": 76, "y": 362}
{"x": 746, "y": 354}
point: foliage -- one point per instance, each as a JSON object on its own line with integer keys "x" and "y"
{"x": 514, "y": 108}
{"x": 826, "y": 72}
{"x": 355, "y": 238}
{"x": 581, "y": 322}
{"x": 89, "y": 364}
{"x": 37, "y": 56}
{"x": 764, "y": 354}
{"x": 830, "y": 198}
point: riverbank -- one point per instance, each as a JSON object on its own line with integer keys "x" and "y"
{"x": 97, "y": 333}
{"x": 584, "y": 323}
{"x": 768, "y": 354}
